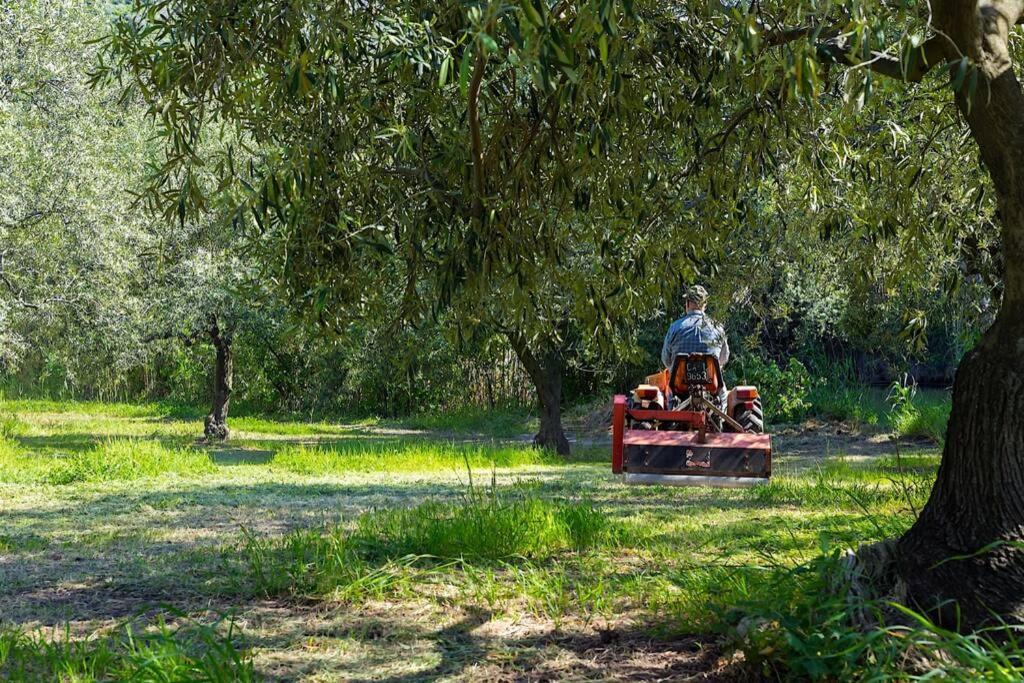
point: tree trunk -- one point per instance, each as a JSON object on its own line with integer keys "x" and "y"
{"x": 545, "y": 367}
{"x": 963, "y": 559}
{"x": 216, "y": 426}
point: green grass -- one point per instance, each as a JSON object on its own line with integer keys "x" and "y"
{"x": 184, "y": 654}
{"x": 113, "y": 460}
{"x": 365, "y": 540}
{"x": 403, "y": 456}
{"x": 802, "y": 629}
{"x": 380, "y": 553}
{"x": 501, "y": 423}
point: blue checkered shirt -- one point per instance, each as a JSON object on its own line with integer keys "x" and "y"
{"x": 694, "y": 333}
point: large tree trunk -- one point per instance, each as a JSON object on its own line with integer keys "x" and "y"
{"x": 963, "y": 560}
{"x": 216, "y": 425}
{"x": 545, "y": 367}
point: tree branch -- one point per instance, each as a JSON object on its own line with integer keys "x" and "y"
{"x": 476, "y": 137}
{"x": 932, "y": 52}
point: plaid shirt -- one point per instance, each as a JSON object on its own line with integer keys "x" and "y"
{"x": 694, "y": 333}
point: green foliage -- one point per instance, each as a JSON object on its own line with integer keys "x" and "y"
{"x": 911, "y": 416}
{"x": 784, "y": 391}
{"x": 184, "y": 653}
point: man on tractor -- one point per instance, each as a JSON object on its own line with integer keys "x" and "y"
{"x": 695, "y": 332}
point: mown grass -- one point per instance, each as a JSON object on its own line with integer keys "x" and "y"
{"x": 500, "y": 423}
{"x": 183, "y": 654}
{"x": 556, "y": 542}
{"x": 403, "y": 456}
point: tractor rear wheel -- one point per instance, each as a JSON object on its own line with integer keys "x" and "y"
{"x": 753, "y": 419}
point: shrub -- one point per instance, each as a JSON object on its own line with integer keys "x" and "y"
{"x": 785, "y": 391}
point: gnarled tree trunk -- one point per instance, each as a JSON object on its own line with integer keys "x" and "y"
{"x": 963, "y": 560}
{"x": 545, "y": 367}
{"x": 216, "y": 424}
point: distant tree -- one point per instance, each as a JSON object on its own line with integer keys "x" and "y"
{"x": 69, "y": 155}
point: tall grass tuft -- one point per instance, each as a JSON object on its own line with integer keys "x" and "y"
{"x": 125, "y": 459}
{"x": 803, "y": 623}
{"x": 488, "y": 526}
{"x": 386, "y": 547}
{"x": 186, "y": 654}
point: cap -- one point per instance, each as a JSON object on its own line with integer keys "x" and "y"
{"x": 696, "y": 294}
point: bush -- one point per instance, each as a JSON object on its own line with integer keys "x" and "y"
{"x": 784, "y": 391}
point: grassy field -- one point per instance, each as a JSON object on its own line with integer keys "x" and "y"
{"x": 425, "y": 551}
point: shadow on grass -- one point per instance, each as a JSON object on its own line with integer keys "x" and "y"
{"x": 402, "y": 647}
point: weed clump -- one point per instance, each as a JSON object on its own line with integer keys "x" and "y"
{"x": 804, "y": 623}
{"x": 191, "y": 652}
{"x": 378, "y": 555}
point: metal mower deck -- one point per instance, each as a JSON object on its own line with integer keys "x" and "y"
{"x": 686, "y": 458}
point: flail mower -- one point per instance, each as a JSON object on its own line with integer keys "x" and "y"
{"x": 676, "y": 429}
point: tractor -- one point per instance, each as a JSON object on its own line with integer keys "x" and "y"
{"x": 681, "y": 428}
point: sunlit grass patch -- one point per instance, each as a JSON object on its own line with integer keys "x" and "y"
{"x": 499, "y": 423}
{"x": 263, "y": 425}
{"x": 403, "y": 456}
{"x": 116, "y": 459}
{"x": 192, "y": 652}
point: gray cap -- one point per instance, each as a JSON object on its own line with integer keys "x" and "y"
{"x": 695, "y": 294}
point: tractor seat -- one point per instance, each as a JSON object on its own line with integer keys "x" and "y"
{"x": 695, "y": 370}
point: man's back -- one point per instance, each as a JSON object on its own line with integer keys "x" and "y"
{"x": 695, "y": 332}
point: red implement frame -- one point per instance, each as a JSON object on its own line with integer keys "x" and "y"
{"x": 696, "y": 421}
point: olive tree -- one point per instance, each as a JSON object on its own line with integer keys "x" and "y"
{"x": 508, "y": 159}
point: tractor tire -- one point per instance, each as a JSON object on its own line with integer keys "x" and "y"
{"x": 752, "y": 420}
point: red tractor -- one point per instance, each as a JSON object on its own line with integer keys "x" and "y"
{"x": 677, "y": 429}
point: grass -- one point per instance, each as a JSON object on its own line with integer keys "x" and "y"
{"x": 803, "y": 630}
{"x": 384, "y": 561}
{"x": 502, "y": 423}
{"x": 112, "y": 460}
{"x": 184, "y": 654}
{"x": 402, "y": 456}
